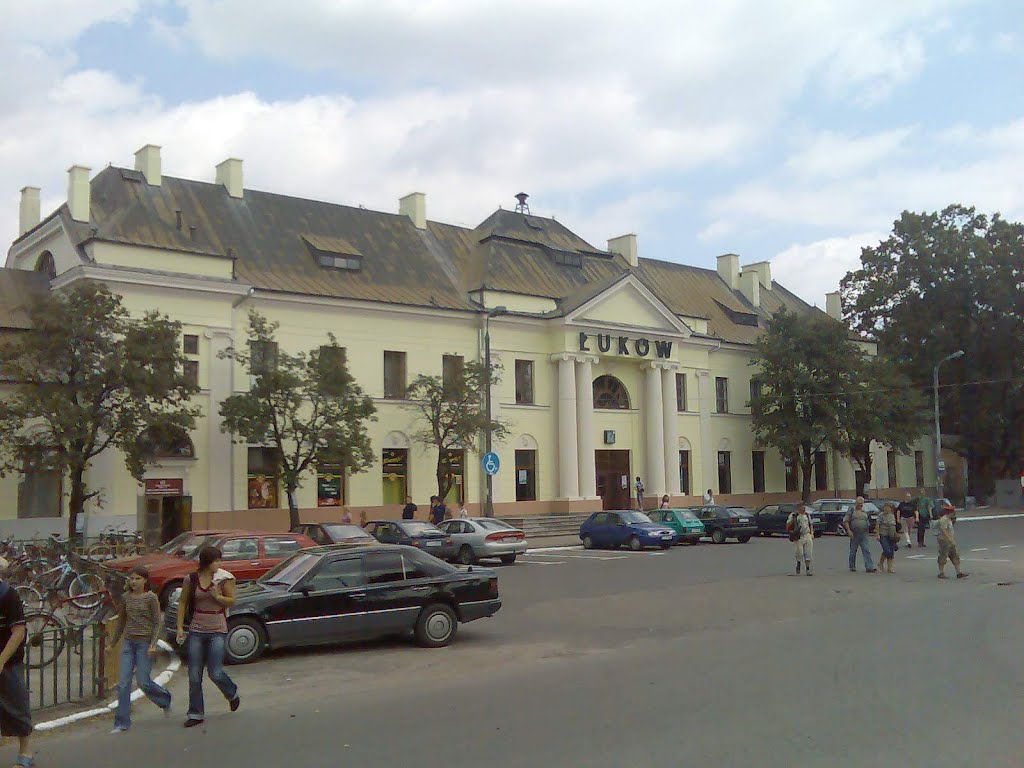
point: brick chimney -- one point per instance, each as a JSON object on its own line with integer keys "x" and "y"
{"x": 750, "y": 287}
{"x": 28, "y": 209}
{"x": 147, "y": 160}
{"x": 729, "y": 269}
{"x": 625, "y": 246}
{"x": 78, "y": 192}
{"x": 834, "y": 306}
{"x": 229, "y": 173}
{"x": 414, "y": 205}
{"x": 764, "y": 273}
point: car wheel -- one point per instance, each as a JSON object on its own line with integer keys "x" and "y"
{"x": 665, "y": 545}
{"x": 718, "y": 536}
{"x": 167, "y": 591}
{"x": 246, "y": 640}
{"x": 588, "y": 543}
{"x": 436, "y": 626}
{"x": 466, "y": 556}
{"x": 743, "y": 539}
{"x": 840, "y": 529}
{"x": 508, "y": 559}
{"x": 695, "y": 541}
{"x": 634, "y": 543}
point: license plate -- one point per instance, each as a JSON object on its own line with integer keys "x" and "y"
{"x": 667, "y": 536}
{"x": 433, "y": 543}
{"x": 744, "y": 520}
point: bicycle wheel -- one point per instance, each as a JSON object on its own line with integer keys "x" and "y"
{"x": 31, "y": 598}
{"x": 98, "y": 552}
{"x": 44, "y": 638}
{"x": 86, "y": 590}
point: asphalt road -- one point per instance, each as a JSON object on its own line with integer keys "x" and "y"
{"x": 700, "y": 656}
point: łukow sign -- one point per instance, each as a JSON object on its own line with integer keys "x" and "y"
{"x": 625, "y": 346}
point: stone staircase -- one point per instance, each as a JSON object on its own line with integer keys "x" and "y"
{"x": 567, "y": 524}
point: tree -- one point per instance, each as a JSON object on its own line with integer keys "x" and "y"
{"x": 306, "y": 406}
{"x": 89, "y": 377}
{"x": 881, "y": 406}
{"x": 804, "y": 362}
{"x": 949, "y": 281}
{"x": 453, "y": 409}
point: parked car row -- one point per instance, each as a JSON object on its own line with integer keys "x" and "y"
{"x": 665, "y": 527}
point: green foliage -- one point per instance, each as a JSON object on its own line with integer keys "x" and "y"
{"x": 943, "y": 282}
{"x": 307, "y": 406}
{"x": 89, "y": 377}
{"x": 803, "y": 362}
{"x": 454, "y": 413}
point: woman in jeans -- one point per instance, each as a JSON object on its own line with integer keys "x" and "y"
{"x": 887, "y": 536}
{"x": 210, "y": 590}
{"x": 139, "y": 623}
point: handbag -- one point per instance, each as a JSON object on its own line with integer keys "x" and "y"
{"x": 794, "y": 529}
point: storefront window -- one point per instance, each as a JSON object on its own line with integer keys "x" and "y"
{"x": 330, "y": 485}
{"x": 395, "y": 474}
{"x": 263, "y": 472}
{"x": 453, "y": 464}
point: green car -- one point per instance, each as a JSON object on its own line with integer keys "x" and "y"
{"x": 687, "y": 525}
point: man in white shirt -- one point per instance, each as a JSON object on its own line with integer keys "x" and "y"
{"x": 709, "y": 498}
{"x": 799, "y": 524}
{"x": 947, "y": 546}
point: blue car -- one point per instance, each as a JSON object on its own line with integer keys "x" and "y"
{"x": 625, "y": 527}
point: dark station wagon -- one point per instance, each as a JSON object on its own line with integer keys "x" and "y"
{"x": 721, "y": 523}
{"x": 344, "y": 592}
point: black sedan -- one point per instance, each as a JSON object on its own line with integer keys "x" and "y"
{"x": 833, "y": 512}
{"x": 345, "y": 592}
{"x": 413, "y": 533}
{"x": 772, "y": 519}
{"x": 721, "y": 523}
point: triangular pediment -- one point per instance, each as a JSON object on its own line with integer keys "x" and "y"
{"x": 628, "y": 304}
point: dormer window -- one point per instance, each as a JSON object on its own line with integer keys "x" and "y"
{"x": 334, "y": 252}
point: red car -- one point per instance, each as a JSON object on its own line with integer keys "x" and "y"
{"x": 247, "y": 554}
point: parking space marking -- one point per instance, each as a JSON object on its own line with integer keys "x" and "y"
{"x": 987, "y": 517}
{"x": 580, "y": 556}
{"x": 980, "y": 549}
{"x": 984, "y": 560}
{"x": 1007, "y": 546}
{"x": 543, "y": 562}
{"x": 554, "y": 549}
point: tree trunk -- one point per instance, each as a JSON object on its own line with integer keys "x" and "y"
{"x": 806, "y": 466}
{"x": 76, "y": 503}
{"x": 293, "y": 507}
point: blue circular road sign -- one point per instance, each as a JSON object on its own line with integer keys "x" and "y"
{"x": 490, "y": 463}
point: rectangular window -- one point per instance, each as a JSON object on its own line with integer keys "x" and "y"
{"x": 820, "y": 471}
{"x": 721, "y": 395}
{"x": 453, "y": 465}
{"x": 791, "y": 475}
{"x": 39, "y": 491}
{"x": 919, "y": 468}
{"x": 262, "y": 358}
{"x": 757, "y": 459}
{"x": 724, "y": 472}
{"x": 395, "y": 475}
{"x": 524, "y": 382}
{"x": 330, "y": 484}
{"x": 680, "y": 391}
{"x": 755, "y": 392}
{"x": 191, "y": 371}
{"x": 451, "y": 370}
{"x": 526, "y": 475}
{"x": 890, "y": 461}
{"x": 684, "y": 473}
{"x": 263, "y": 472}
{"x": 394, "y": 375}
{"x": 190, "y": 344}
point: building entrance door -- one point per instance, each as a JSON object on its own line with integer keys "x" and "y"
{"x": 613, "y": 479}
{"x": 166, "y": 517}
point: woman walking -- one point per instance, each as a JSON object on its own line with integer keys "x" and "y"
{"x": 206, "y": 594}
{"x": 139, "y": 624}
{"x": 887, "y": 536}
{"x": 665, "y": 502}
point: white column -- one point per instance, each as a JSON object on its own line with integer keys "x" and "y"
{"x": 585, "y": 426}
{"x": 568, "y": 456}
{"x": 220, "y": 450}
{"x": 671, "y": 417}
{"x": 708, "y": 456}
{"x": 655, "y": 429}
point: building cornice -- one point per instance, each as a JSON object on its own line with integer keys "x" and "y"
{"x": 149, "y": 278}
{"x": 34, "y": 237}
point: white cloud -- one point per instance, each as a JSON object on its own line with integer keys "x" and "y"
{"x": 831, "y": 154}
{"x": 811, "y": 270}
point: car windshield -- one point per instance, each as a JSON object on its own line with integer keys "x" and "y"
{"x": 869, "y": 507}
{"x": 190, "y": 549}
{"x": 417, "y": 527}
{"x": 634, "y": 517}
{"x": 685, "y": 514}
{"x": 739, "y": 512}
{"x": 170, "y": 547}
{"x": 339, "y": 531}
{"x": 493, "y": 525}
{"x": 289, "y": 572}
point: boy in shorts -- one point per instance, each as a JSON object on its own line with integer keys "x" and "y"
{"x": 947, "y": 547}
{"x": 15, "y": 718}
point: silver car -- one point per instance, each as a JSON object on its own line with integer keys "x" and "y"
{"x": 474, "y": 538}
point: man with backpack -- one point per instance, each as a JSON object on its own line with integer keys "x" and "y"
{"x": 801, "y": 533}
{"x": 15, "y": 716}
{"x": 924, "y": 516}
{"x": 858, "y": 523}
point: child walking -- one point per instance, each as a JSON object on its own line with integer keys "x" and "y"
{"x": 140, "y": 625}
{"x": 15, "y": 715}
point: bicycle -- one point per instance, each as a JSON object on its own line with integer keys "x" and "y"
{"x": 64, "y": 578}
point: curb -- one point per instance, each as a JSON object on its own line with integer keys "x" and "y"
{"x": 162, "y": 679}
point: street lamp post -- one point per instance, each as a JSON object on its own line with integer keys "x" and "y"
{"x": 495, "y": 312}
{"x": 938, "y": 429}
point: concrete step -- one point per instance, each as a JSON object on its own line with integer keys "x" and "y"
{"x": 549, "y": 525}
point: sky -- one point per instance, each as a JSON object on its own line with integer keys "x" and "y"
{"x": 794, "y": 131}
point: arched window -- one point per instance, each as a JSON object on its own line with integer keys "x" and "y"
{"x": 46, "y": 265}
{"x": 610, "y": 394}
{"x": 166, "y": 444}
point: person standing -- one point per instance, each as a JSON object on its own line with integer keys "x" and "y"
{"x": 362, "y": 518}
{"x": 437, "y": 510}
{"x": 139, "y": 624}
{"x": 463, "y": 512}
{"x": 346, "y": 516}
{"x": 209, "y": 592}
{"x": 15, "y": 710}
{"x": 947, "y": 546}
{"x": 908, "y": 516}
{"x": 857, "y": 526}
{"x": 802, "y": 534}
{"x": 887, "y": 537}
{"x": 639, "y": 495}
{"x": 709, "y": 498}
{"x": 665, "y": 504}
{"x": 409, "y": 510}
{"x": 924, "y": 516}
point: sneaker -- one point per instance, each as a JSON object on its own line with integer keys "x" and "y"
{"x": 943, "y": 576}
{"x": 798, "y": 567}
{"x": 962, "y": 575}
{"x": 853, "y": 570}
{"x": 235, "y": 703}
{"x": 809, "y": 572}
{"x": 167, "y": 711}
{"x": 118, "y": 729}
{"x": 192, "y": 723}
{"x": 871, "y": 570}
